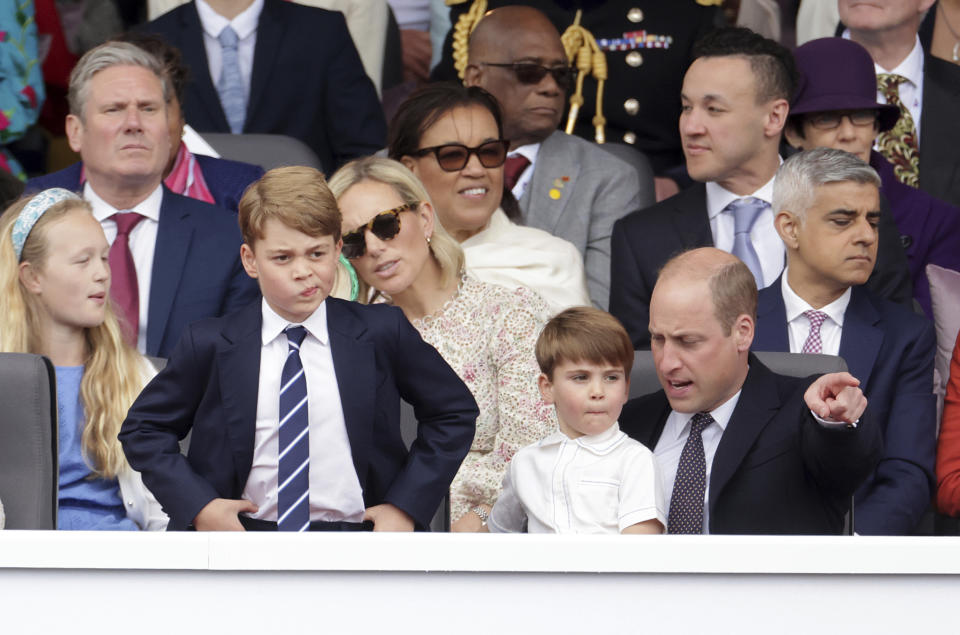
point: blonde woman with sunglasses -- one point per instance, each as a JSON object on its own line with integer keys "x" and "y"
{"x": 485, "y": 332}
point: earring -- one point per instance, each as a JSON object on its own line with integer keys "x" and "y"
{"x": 428, "y": 240}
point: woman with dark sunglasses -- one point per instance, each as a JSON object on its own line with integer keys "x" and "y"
{"x": 451, "y": 138}
{"x": 484, "y": 331}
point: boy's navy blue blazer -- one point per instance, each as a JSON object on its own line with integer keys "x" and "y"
{"x": 210, "y": 386}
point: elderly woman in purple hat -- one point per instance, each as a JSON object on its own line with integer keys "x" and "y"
{"x": 836, "y": 107}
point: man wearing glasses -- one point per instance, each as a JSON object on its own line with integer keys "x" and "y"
{"x": 836, "y": 107}
{"x": 564, "y": 184}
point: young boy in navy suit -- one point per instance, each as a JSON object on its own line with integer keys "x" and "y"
{"x": 294, "y": 401}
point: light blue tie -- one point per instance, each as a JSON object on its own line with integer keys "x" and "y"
{"x": 293, "y": 484}
{"x": 233, "y": 94}
{"x": 745, "y": 213}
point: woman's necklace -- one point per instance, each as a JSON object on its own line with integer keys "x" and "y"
{"x": 956, "y": 45}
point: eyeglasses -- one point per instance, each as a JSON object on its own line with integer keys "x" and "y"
{"x": 454, "y": 156}
{"x": 830, "y": 120}
{"x": 532, "y": 73}
{"x": 385, "y": 226}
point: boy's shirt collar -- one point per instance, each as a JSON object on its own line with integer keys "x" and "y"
{"x": 274, "y": 325}
{"x": 598, "y": 444}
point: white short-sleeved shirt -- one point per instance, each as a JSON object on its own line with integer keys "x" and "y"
{"x": 597, "y": 484}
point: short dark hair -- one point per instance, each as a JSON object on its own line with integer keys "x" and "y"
{"x": 168, "y": 56}
{"x": 772, "y": 64}
{"x": 423, "y": 108}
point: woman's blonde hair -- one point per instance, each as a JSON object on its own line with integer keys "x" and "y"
{"x": 445, "y": 250}
{"x": 114, "y": 373}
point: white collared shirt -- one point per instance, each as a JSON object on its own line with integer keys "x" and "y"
{"x": 676, "y": 430}
{"x": 911, "y": 91}
{"x": 798, "y": 324}
{"x": 597, "y": 484}
{"x": 766, "y": 242}
{"x": 245, "y": 26}
{"x": 142, "y": 241}
{"x": 335, "y": 492}
{"x": 530, "y": 151}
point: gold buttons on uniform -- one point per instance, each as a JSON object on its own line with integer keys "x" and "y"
{"x": 635, "y": 14}
{"x": 632, "y": 106}
{"x": 629, "y": 137}
{"x": 634, "y": 58}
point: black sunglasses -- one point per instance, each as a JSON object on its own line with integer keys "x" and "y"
{"x": 454, "y": 156}
{"x": 832, "y": 119}
{"x": 533, "y": 73}
{"x": 384, "y": 226}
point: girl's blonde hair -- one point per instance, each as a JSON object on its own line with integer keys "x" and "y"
{"x": 445, "y": 250}
{"x": 114, "y": 372}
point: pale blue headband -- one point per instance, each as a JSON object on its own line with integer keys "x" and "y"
{"x": 32, "y": 212}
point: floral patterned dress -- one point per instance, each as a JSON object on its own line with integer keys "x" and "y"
{"x": 487, "y": 334}
{"x": 21, "y": 82}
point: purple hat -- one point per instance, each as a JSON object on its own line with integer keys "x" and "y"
{"x": 838, "y": 74}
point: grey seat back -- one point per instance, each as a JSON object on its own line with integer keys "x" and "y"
{"x": 29, "y": 465}
{"x": 266, "y": 150}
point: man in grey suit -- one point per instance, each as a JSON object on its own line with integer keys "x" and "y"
{"x": 565, "y": 185}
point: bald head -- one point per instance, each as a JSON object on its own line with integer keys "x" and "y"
{"x": 531, "y": 98}
{"x": 732, "y": 286}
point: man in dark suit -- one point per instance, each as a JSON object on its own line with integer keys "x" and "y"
{"x": 295, "y": 67}
{"x": 928, "y": 89}
{"x": 180, "y": 261}
{"x": 827, "y": 204}
{"x": 741, "y": 449}
{"x": 567, "y": 186}
{"x": 735, "y": 103}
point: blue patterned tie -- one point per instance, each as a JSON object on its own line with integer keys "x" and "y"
{"x": 745, "y": 213}
{"x": 686, "y": 502}
{"x": 293, "y": 484}
{"x": 233, "y": 95}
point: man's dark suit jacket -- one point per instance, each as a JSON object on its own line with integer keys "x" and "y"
{"x": 227, "y": 180}
{"x": 890, "y": 350}
{"x": 196, "y": 263}
{"x": 307, "y": 81}
{"x": 776, "y": 470}
{"x": 643, "y": 241}
{"x": 210, "y": 386}
{"x": 939, "y": 132}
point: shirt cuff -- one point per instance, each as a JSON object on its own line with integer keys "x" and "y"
{"x": 834, "y": 425}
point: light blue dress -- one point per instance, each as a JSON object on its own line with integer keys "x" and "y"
{"x": 85, "y": 503}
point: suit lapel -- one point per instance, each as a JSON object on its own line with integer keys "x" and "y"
{"x": 191, "y": 43}
{"x": 690, "y": 219}
{"x": 238, "y": 362}
{"x": 758, "y": 404}
{"x": 860, "y": 339}
{"x": 552, "y": 167}
{"x": 174, "y": 233}
{"x": 269, "y": 40}
{"x": 354, "y": 363}
{"x": 772, "y": 329}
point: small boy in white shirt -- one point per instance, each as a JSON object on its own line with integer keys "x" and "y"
{"x": 587, "y": 477}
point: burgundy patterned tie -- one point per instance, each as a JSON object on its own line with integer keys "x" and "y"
{"x": 813, "y": 343}
{"x": 123, "y": 286}
{"x": 513, "y": 168}
{"x": 686, "y": 502}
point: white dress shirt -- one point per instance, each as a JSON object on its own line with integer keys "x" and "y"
{"x": 530, "y": 151}
{"x": 245, "y": 26}
{"x": 798, "y": 324}
{"x": 142, "y": 241}
{"x": 676, "y": 430}
{"x": 766, "y": 242}
{"x": 596, "y": 484}
{"x": 335, "y": 492}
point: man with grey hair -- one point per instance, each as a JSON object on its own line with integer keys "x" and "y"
{"x": 827, "y": 206}
{"x": 173, "y": 260}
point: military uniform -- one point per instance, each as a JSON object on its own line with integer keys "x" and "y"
{"x": 647, "y": 44}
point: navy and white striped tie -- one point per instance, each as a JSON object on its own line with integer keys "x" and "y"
{"x": 293, "y": 496}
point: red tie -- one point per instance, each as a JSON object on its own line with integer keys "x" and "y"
{"x": 513, "y": 168}
{"x": 124, "y": 290}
